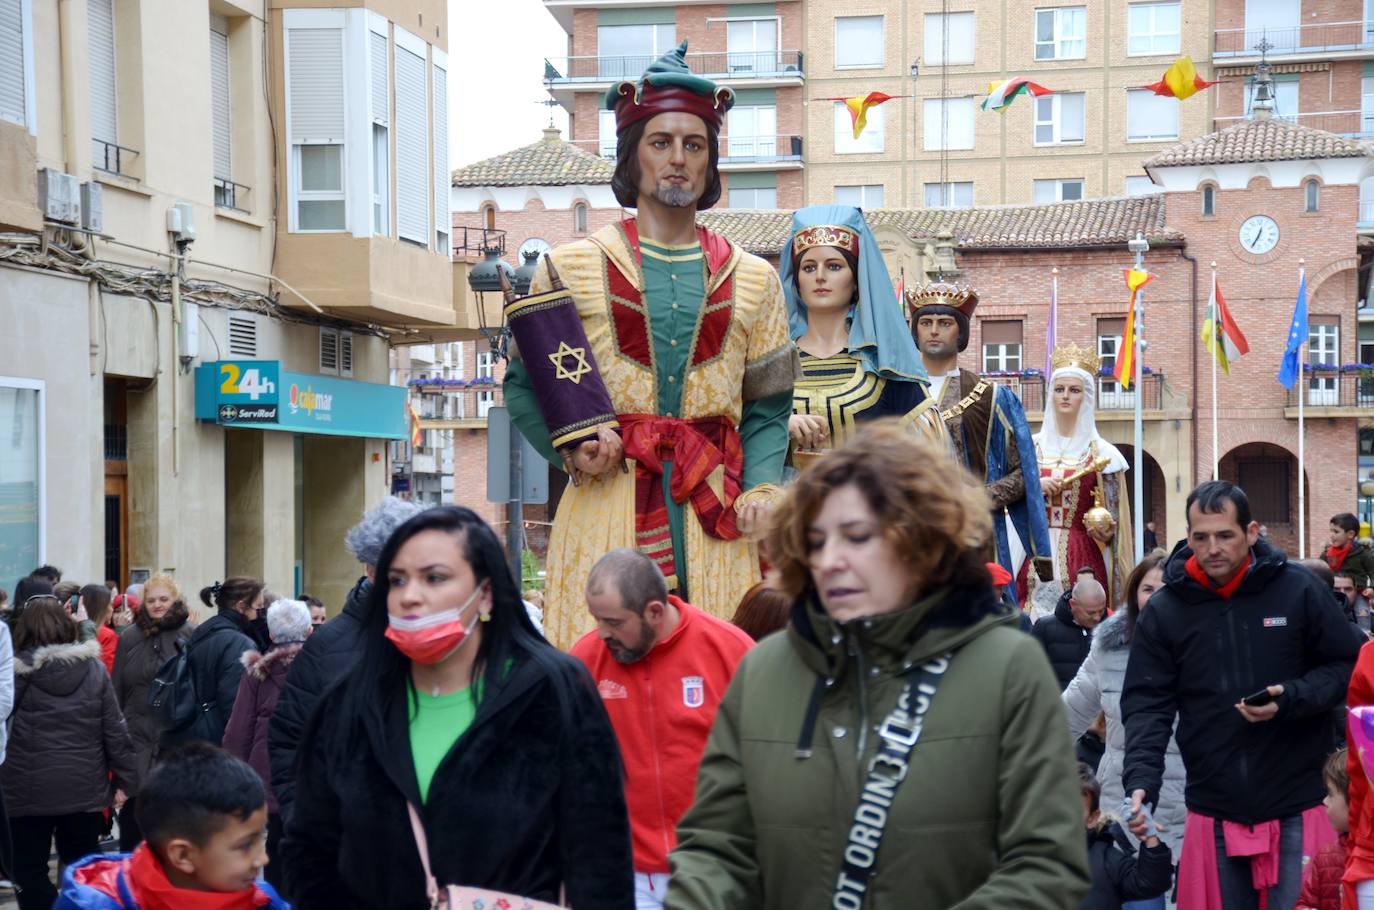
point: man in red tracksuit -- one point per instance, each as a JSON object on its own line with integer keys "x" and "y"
{"x": 662, "y": 667}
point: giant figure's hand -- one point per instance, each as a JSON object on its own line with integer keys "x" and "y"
{"x": 598, "y": 456}
{"x": 807, "y": 431}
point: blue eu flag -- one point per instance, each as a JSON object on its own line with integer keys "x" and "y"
{"x": 1297, "y": 334}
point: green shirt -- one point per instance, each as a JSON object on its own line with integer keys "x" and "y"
{"x": 436, "y": 722}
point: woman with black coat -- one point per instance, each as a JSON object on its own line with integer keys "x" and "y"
{"x": 460, "y": 709}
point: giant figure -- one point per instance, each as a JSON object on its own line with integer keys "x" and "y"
{"x": 689, "y": 334}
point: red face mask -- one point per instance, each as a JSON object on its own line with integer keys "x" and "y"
{"x": 429, "y": 639}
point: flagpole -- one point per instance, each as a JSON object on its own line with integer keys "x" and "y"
{"x": 1138, "y": 246}
{"x": 1302, "y": 455}
{"x": 1216, "y": 324}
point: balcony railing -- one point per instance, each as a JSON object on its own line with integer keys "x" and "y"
{"x": 1317, "y": 38}
{"x": 758, "y": 149}
{"x": 1335, "y": 390}
{"x": 1350, "y": 124}
{"x": 725, "y": 64}
{"x": 109, "y": 157}
{"x": 229, "y": 195}
{"x": 456, "y": 399}
{"x": 1110, "y": 396}
{"x": 476, "y": 241}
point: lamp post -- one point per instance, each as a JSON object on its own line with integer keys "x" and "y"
{"x": 1139, "y": 246}
{"x": 486, "y": 277}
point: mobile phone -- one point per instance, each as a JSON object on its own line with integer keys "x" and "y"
{"x": 1258, "y": 699}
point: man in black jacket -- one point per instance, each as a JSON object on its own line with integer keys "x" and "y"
{"x": 328, "y": 654}
{"x": 1252, "y": 653}
{"x": 1067, "y": 634}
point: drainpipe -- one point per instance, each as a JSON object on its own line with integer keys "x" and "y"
{"x": 1192, "y": 322}
{"x": 68, "y": 27}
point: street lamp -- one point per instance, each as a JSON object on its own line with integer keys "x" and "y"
{"x": 1138, "y": 247}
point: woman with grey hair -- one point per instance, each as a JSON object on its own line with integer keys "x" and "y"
{"x": 288, "y": 624}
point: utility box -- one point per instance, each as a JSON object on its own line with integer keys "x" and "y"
{"x": 92, "y": 206}
{"x": 59, "y": 196}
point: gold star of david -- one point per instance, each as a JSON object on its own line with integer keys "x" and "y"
{"x": 580, "y": 366}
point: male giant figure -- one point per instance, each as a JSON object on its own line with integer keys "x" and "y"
{"x": 987, "y": 425}
{"x": 690, "y": 336}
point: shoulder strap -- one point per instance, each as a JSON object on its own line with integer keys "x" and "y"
{"x": 417, "y": 827}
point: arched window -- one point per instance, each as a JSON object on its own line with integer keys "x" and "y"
{"x": 1312, "y": 195}
{"x": 1209, "y": 201}
{"x": 489, "y": 217}
{"x": 580, "y": 218}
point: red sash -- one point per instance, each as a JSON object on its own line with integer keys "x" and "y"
{"x": 696, "y": 447}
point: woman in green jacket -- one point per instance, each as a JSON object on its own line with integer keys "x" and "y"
{"x": 901, "y": 744}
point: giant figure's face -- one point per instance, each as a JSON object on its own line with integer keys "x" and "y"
{"x": 1068, "y": 396}
{"x": 937, "y": 335}
{"x": 674, "y": 157}
{"x": 824, "y": 280}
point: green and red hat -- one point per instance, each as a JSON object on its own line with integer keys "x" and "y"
{"x": 668, "y": 86}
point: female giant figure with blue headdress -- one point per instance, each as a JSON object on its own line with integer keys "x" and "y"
{"x": 858, "y": 360}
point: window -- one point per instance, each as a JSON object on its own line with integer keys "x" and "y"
{"x": 379, "y": 101}
{"x": 21, "y": 476}
{"x": 1110, "y": 393}
{"x": 1367, "y": 105}
{"x": 16, "y": 63}
{"x": 489, "y": 217}
{"x": 948, "y": 123}
{"x": 1274, "y": 20}
{"x": 763, "y": 197}
{"x": 1059, "y": 119}
{"x": 1312, "y": 195}
{"x": 1152, "y": 28}
{"x": 1061, "y": 34}
{"x": 1001, "y": 345}
{"x": 315, "y": 114}
{"x": 872, "y": 139}
{"x": 579, "y": 218}
{"x": 104, "y": 109}
{"x": 1150, "y": 117}
{"x": 221, "y": 112}
{"x": 751, "y": 46}
{"x": 868, "y": 196}
{"x": 751, "y": 132}
{"x": 953, "y": 32}
{"x": 1058, "y": 190}
{"x": 1285, "y": 96}
{"x": 1209, "y": 201}
{"x": 1141, "y": 186}
{"x": 858, "y": 42}
{"x": 1323, "y": 347}
{"x": 625, "y": 51}
{"x": 605, "y": 146}
{"x": 949, "y": 195}
{"x": 412, "y": 141}
{"x": 486, "y": 369}
{"x": 443, "y": 221}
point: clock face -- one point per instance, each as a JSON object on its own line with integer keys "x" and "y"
{"x": 533, "y": 245}
{"x": 1259, "y": 234}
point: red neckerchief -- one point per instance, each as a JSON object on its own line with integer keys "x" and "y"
{"x": 153, "y": 891}
{"x": 1335, "y": 556}
{"x": 1225, "y": 591}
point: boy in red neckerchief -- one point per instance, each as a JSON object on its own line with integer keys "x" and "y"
{"x": 204, "y": 816}
{"x": 1346, "y": 554}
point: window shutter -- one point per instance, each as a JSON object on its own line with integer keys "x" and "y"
{"x": 220, "y": 111}
{"x": 1002, "y": 331}
{"x": 380, "y": 96}
{"x": 442, "y": 180}
{"x": 329, "y": 350}
{"x": 12, "y": 72}
{"x": 243, "y": 336}
{"x": 104, "y": 119}
{"x": 315, "y": 69}
{"x": 345, "y": 353}
{"x": 412, "y": 158}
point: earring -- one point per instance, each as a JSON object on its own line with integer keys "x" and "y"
{"x": 484, "y": 615}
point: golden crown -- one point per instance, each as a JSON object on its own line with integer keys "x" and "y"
{"x": 1071, "y": 355}
{"x": 825, "y": 235}
{"x": 942, "y": 293}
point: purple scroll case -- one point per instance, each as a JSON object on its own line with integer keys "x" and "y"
{"x": 554, "y": 348}
{"x": 1361, "y": 736}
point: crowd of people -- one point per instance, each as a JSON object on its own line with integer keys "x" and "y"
{"x": 825, "y": 625}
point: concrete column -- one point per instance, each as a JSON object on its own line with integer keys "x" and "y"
{"x": 342, "y": 480}
{"x": 260, "y": 506}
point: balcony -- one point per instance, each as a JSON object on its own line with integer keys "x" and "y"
{"x": 1112, "y": 401}
{"x": 1327, "y": 40}
{"x": 1347, "y": 393}
{"x": 1350, "y": 124}
{"x": 760, "y": 153}
{"x": 456, "y": 404}
{"x": 743, "y": 69}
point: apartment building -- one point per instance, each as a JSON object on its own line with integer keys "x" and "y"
{"x": 756, "y": 48}
{"x": 217, "y": 219}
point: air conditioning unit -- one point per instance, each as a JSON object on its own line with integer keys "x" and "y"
{"x": 92, "y": 206}
{"x": 59, "y": 196}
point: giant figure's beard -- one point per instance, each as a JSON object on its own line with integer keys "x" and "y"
{"x": 673, "y": 196}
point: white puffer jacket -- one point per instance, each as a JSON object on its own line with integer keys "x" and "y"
{"x": 1097, "y": 687}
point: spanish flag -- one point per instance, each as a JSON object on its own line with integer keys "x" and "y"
{"x": 416, "y": 435}
{"x": 1125, "y": 355}
{"x": 1180, "y": 81}
{"x": 859, "y": 105}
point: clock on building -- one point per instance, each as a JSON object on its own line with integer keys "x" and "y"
{"x": 533, "y": 245}
{"x": 1258, "y": 234}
